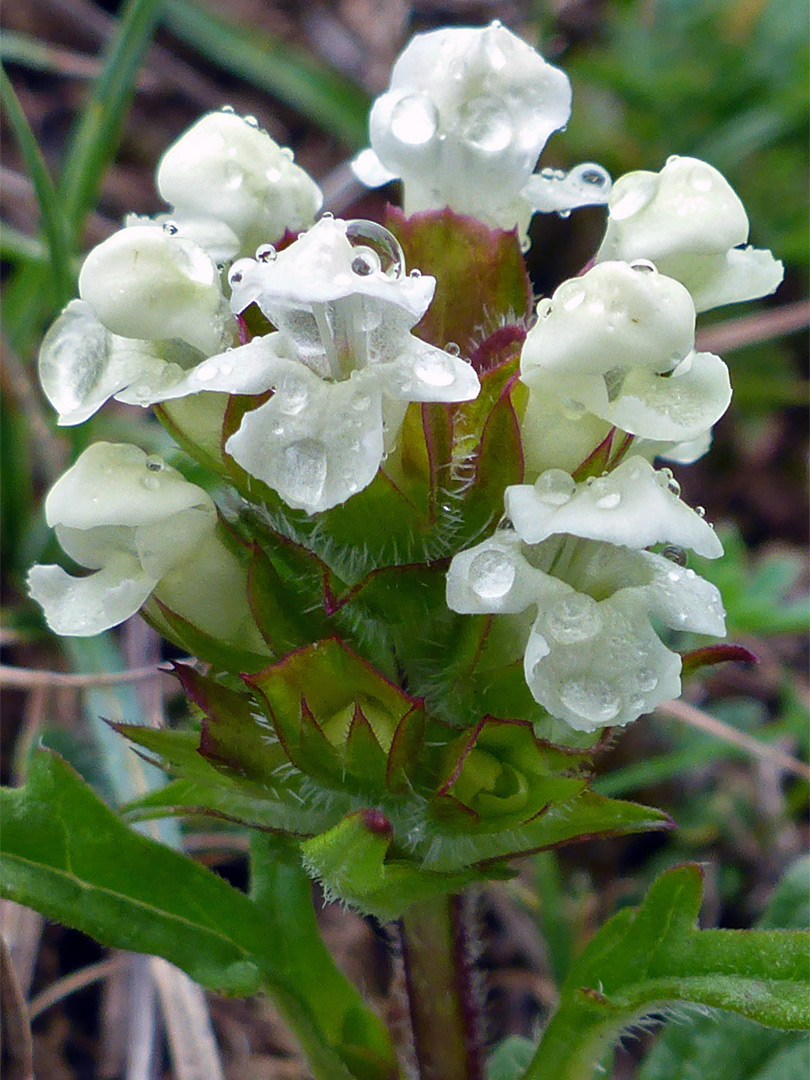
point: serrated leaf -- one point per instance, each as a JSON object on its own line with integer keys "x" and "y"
{"x": 70, "y": 857}
{"x": 642, "y": 961}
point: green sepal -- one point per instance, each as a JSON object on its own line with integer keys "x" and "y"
{"x": 477, "y": 270}
{"x": 284, "y": 584}
{"x": 503, "y": 775}
{"x": 710, "y": 655}
{"x": 350, "y": 862}
{"x": 337, "y": 717}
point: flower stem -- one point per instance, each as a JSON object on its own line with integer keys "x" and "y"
{"x": 444, "y": 1006}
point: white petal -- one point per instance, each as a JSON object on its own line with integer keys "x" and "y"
{"x": 370, "y": 171}
{"x": 246, "y": 369}
{"x": 495, "y": 578}
{"x": 79, "y": 368}
{"x": 144, "y": 282}
{"x": 742, "y": 274}
{"x": 631, "y": 507}
{"x": 683, "y": 600}
{"x": 605, "y": 665}
{"x": 117, "y": 484}
{"x": 226, "y": 169}
{"x": 614, "y": 316}
{"x": 82, "y": 607}
{"x": 316, "y": 443}
{"x": 424, "y": 373}
{"x": 555, "y": 434}
{"x": 584, "y": 185}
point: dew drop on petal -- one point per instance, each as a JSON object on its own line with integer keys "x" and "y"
{"x": 644, "y": 266}
{"x": 452, "y": 348}
{"x": 544, "y": 308}
{"x": 633, "y": 197}
{"x": 609, "y": 501}
{"x": 574, "y": 618}
{"x": 485, "y": 124}
{"x": 373, "y": 242}
{"x": 646, "y": 680}
{"x": 593, "y": 700}
{"x": 303, "y": 469}
{"x": 154, "y": 463}
{"x": 555, "y": 487}
{"x": 251, "y": 121}
{"x": 206, "y": 372}
{"x": 228, "y": 109}
{"x": 266, "y": 253}
{"x": 360, "y": 402}
{"x": 171, "y": 228}
{"x": 434, "y": 370}
{"x": 294, "y": 398}
{"x": 414, "y": 120}
{"x": 590, "y": 176}
{"x": 700, "y": 511}
{"x": 365, "y": 262}
{"x": 151, "y": 483}
{"x": 491, "y": 574}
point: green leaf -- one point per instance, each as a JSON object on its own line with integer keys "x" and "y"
{"x": 644, "y": 961}
{"x": 728, "y": 1047}
{"x": 53, "y": 221}
{"x": 278, "y": 67}
{"x": 510, "y": 1058}
{"x": 70, "y": 857}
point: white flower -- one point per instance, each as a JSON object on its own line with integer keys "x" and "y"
{"x": 342, "y": 363}
{"x": 593, "y": 656}
{"x": 618, "y": 343}
{"x": 142, "y": 528}
{"x": 467, "y": 114}
{"x": 232, "y": 187}
{"x": 690, "y": 222}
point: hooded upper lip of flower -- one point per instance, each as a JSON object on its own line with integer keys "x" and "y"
{"x": 592, "y": 655}
{"x": 127, "y": 516}
{"x": 690, "y": 222}
{"x": 618, "y": 342}
{"x": 467, "y": 114}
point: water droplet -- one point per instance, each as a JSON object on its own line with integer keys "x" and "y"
{"x": 644, "y": 266}
{"x": 571, "y": 295}
{"x": 647, "y": 680}
{"x": 590, "y": 175}
{"x": 151, "y": 483}
{"x": 415, "y": 273}
{"x": 360, "y": 402}
{"x": 491, "y": 574}
{"x": 547, "y": 173}
{"x": 544, "y": 308}
{"x": 373, "y": 241}
{"x": 700, "y": 511}
{"x": 155, "y": 463}
{"x": 434, "y": 370}
{"x": 303, "y": 469}
{"x": 235, "y": 277}
{"x": 563, "y": 214}
{"x": 701, "y": 182}
{"x": 572, "y": 410}
{"x": 414, "y": 120}
{"x": 206, "y": 372}
{"x": 594, "y": 700}
{"x": 293, "y": 398}
{"x": 171, "y": 228}
{"x": 525, "y": 244}
{"x": 228, "y": 109}
{"x": 683, "y": 368}
{"x": 629, "y": 198}
{"x": 266, "y": 253}
{"x": 251, "y": 121}
{"x": 609, "y": 501}
{"x": 574, "y": 618}
{"x": 675, "y": 554}
{"x": 554, "y": 487}
{"x": 452, "y": 348}
{"x": 484, "y": 122}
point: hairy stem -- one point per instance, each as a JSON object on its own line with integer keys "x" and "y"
{"x": 443, "y": 1000}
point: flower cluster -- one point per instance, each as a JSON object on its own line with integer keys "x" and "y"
{"x": 318, "y": 328}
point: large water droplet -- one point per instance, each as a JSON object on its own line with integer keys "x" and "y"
{"x": 590, "y": 177}
{"x": 414, "y": 120}
{"x": 632, "y": 197}
{"x": 266, "y": 253}
{"x": 485, "y": 124}
{"x": 434, "y": 370}
{"x": 293, "y": 398}
{"x": 365, "y": 262}
{"x": 609, "y": 501}
{"x": 491, "y": 574}
{"x": 554, "y": 487}
{"x": 593, "y": 700}
{"x": 373, "y": 242}
{"x": 574, "y": 618}
{"x": 154, "y": 463}
{"x": 303, "y": 469}
{"x": 675, "y": 554}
